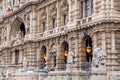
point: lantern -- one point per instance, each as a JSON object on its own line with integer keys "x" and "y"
{"x": 66, "y": 54}
{"x": 89, "y": 49}
{"x": 45, "y": 57}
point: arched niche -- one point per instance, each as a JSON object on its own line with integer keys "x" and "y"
{"x": 52, "y": 56}
{"x": 18, "y": 27}
{"x": 86, "y": 52}
{"x": 64, "y": 53}
{"x": 43, "y": 57}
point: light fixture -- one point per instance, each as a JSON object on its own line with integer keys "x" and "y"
{"x": 89, "y": 49}
{"x": 66, "y": 53}
{"x": 45, "y": 57}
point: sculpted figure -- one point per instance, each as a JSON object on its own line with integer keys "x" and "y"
{"x": 70, "y": 58}
{"x": 24, "y": 62}
{"x": 99, "y": 59}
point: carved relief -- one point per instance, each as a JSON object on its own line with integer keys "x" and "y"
{"x": 17, "y": 39}
{"x": 64, "y": 7}
{"x": 43, "y": 14}
{"x": 99, "y": 59}
{"x": 27, "y": 20}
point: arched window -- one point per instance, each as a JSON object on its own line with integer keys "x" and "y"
{"x": 88, "y": 49}
{"x": 16, "y": 57}
{"x": 86, "y": 53}
{"x": 43, "y": 58}
{"x": 22, "y": 29}
{"x": 65, "y": 53}
{"x": 54, "y": 23}
{"x": 65, "y": 19}
{"x": 44, "y": 26}
{"x": 86, "y": 8}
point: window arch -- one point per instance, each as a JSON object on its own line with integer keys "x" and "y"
{"x": 65, "y": 19}
{"x": 54, "y": 23}
{"x": 43, "y": 58}
{"x": 18, "y": 26}
{"x": 44, "y": 26}
{"x": 86, "y": 53}
{"x": 65, "y": 50}
{"x": 22, "y": 29}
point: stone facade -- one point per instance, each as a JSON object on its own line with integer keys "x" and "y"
{"x": 41, "y": 32}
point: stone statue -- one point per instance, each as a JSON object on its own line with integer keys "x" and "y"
{"x": 18, "y": 38}
{"x": 24, "y": 62}
{"x": 99, "y": 59}
{"x": 70, "y": 58}
{"x": 18, "y": 35}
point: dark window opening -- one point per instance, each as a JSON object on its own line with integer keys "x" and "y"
{"x": 65, "y": 19}
{"x": 44, "y": 57}
{"x": 16, "y": 57}
{"x": 82, "y": 8}
{"x": 53, "y": 23}
{"x": 65, "y": 49}
{"x": 88, "y": 49}
{"x": 54, "y": 60}
{"x": 44, "y": 26}
{"x": 22, "y": 28}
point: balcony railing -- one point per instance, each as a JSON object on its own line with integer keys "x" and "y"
{"x": 85, "y": 20}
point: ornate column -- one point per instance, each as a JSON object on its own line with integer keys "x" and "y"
{"x": 113, "y": 41}
{"x": 8, "y": 34}
{"x": 77, "y": 58}
{"x": 31, "y": 56}
{"x": 70, "y": 11}
{"x": 103, "y": 41}
{"x": 83, "y": 13}
{"x": 20, "y": 56}
{"x": 33, "y": 23}
{"x": 48, "y": 18}
{"x": 76, "y": 10}
{"x": 58, "y": 13}
{"x": 47, "y": 55}
{"x": 80, "y": 56}
{"x": 58, "y": 55}
{"x": 91, "y": 7}
{"x": 103, "y": 2}
{"x": 94, "y": 40}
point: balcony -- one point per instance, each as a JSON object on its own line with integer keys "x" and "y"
{"x": 85, "y": 20}
{"x": 51, "y": 33}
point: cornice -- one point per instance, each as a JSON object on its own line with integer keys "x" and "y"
{"x": 23, "y": 7}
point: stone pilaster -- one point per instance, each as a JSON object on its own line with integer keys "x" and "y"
{"x": 83, "y": 13}
{"x": 47, "y": 18}
{"x": 102, "y": 10}
{"x": 47, "y": 55}
{"x": 113, "y": 42}
{"x": 8, "y": 32}
{"x": 57, "y": 58}
{"x": 31, "y": 57}
{"x": 20, "y": 57}
{"x": 103, "y": 41}
{"x": 76, "y": 14}
{"x": 70, "y": 11}
{"x": 58, "y": 13}
{"x": 33, "y": 21}
{"x": 94, "y": 41}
